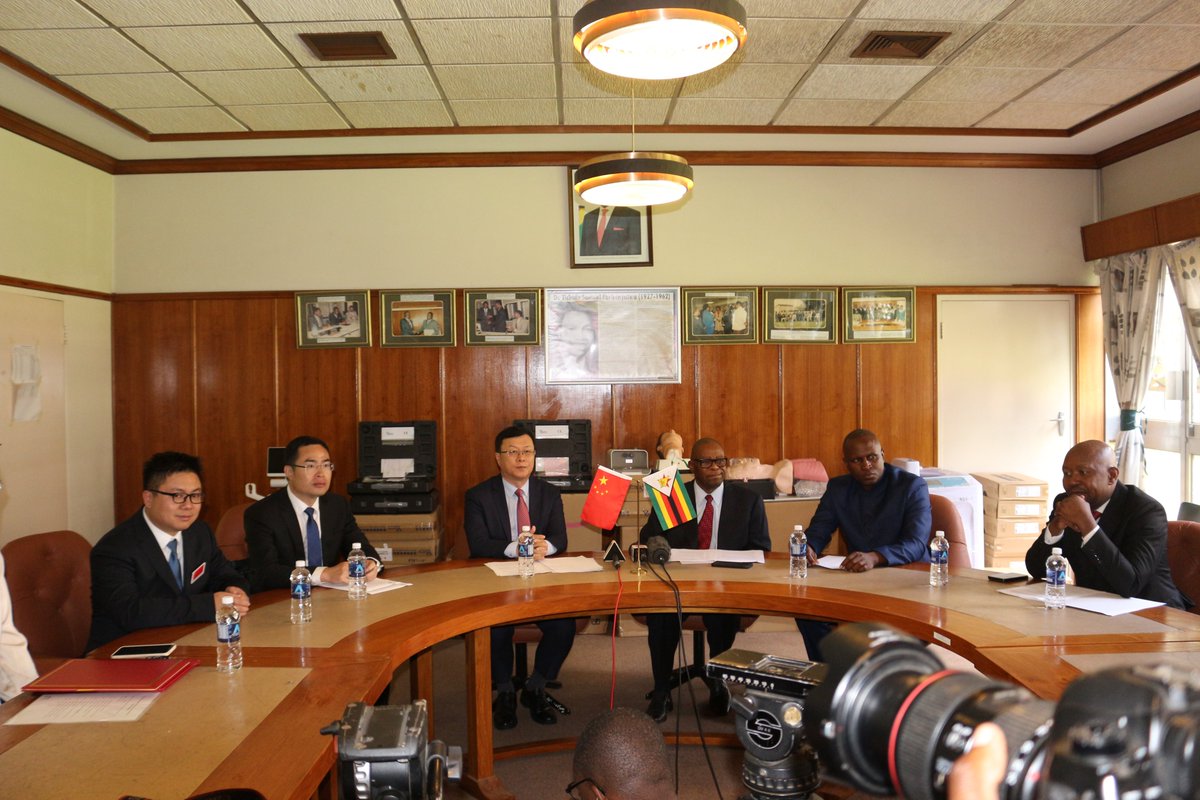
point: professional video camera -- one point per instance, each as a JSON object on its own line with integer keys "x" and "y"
{"x": 885, "y": 716}
{"x": 385, "y": 754}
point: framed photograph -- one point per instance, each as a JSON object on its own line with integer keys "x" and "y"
{"x": 607, "y": 236}
{"x": 417, "y": 318}
{"x": 333, "y": 319}
{"x": 879, "y": 315}
{"x": 720, "y": 316}
{"x": 800, "y": 315}
{"x": 498, "y": 316}
{"x": 612, "y": 335}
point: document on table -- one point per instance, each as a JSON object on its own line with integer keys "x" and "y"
{"x": 377, "y": 586}
{"x": 684, "y": 556}
{"x": 564, "y": 564}
{"x": 85, "y": 707}
{"x": 831, "y": 562}
{"x": 1110, "y": 605}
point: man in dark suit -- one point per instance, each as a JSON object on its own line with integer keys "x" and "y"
{"x": 161, "y": 566}
{"x": 304, "y": 523}
{"x": 1113, "y": 535}
{"x": 728, "y": 517}
{"x": 494, "y": 513}
{"x": 620, "y": 234}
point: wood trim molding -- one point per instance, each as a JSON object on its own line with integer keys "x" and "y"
{"x": 1168, "y": 222}
{"x": 40, "y": 134}
{"x": 1176, "y": 129}
{"x": 1179, "y": 219}
{"x": 54, "y": 288}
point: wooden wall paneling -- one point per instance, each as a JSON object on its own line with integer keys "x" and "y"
{"x": 153, "y": 390}
{"x": 641, "y": 411}
{"x": 485, "y": 390}
{"x": 898, "y": 389}
{"x": 591, "y": 401}
{"x": 1122, "y": 234}
{"x": 819, "y": 401}
{"x": 739, "y": 399}
{"x": 235, "y": 398}
{"x": 1178, "y": 219}
{"x": 1089, "y": 367}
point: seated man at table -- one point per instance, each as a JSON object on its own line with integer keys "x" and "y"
{"x": 1113, "y": 535}
{"x": 882, "y": 512}
{"x": 494, "y": 513}
{"x": 304, "y": 523}
{"x": 728, "y": 517}
{"x": 621, "y": 755}
{"x": 161, "y": 566}
{"x": 16, "y": 666}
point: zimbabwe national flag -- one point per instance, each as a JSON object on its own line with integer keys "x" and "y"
{"x": 670, "y": 499}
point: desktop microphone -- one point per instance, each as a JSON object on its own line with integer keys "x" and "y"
{"x": 658, "y": 550}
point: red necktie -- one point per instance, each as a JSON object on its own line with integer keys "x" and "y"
{"x": 706, "y": 523}
{"x": 522, "y": 511}
{"x": 1096, "y": 515}
{"x": 600, "y": 226}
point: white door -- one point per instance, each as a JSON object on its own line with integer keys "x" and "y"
{"x": 1006, "y": 383}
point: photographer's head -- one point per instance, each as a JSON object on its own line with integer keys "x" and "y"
{"x": 621, "y": 756}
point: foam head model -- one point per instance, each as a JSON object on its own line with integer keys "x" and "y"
{"x": 670, "y": 450}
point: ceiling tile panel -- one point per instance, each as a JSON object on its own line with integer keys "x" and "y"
{"x": 18, "y": 14}
{"x": 613, "y": 111}
{"x": 211, "y": 47}
{"x": 78, "y": 52}
{"x": 949, "y": 10}
{"x": 865, "y": 82}
{"x": 1086, "y": 12}
{"x": 584, "y": 80}
{"x": 745, "y": 80}
{"x": 208, "y": 119}
{"x": 914, "y": 114}
{"x": 320, "y": 10}
{"x": 978, "y": 84}
{"x": 138, "y": 90}
{"x": 486, "y": 41}
{"x": 169, "y": 12}
{"x": 814, "y": 9}
{"x": 505, "y": 112}
{"x": 450, "y": 9}
{"x": 858, "y": 30}
{"x": 411, "y": 114}
{"x": 483, "y": 81}
{"x": 396, "y": 33}
{"x": 1149, "y": 47}
{"x": 1032, "y": 45}
{"x": 1094, "y": 86}
{"x": 854, "y": 113}
{"x": 1049, "y": 116}
{"x": 256, "y": 86}
{"x": 786, "y": 41}
{"x": 302, "y": 116}
{"x": 723, "y": 111}
{"x": 355, "y": 84}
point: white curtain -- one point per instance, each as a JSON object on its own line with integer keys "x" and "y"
{"x": 1130, "y": 288}
{"x": 1182, "y": 261}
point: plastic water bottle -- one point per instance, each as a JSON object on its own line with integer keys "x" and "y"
{"x": 358, "y": 572}
{"x": 301, "y": 594}
{"x": 939, "y": 560}
{"x": 229, "y": 637}
{"x": 1056, "y": 579}
{"x": 798, "y": 553}
{"x": 525, "y": 553}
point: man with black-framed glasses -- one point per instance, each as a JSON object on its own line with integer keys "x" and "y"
{"x": 621, "y": 755}
{"x": 304, "y": 522}
{"x": 161, "y": 566}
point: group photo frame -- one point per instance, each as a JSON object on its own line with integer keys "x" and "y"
{"x": 607, "y": 236}
{"x": 417, "y": 318}
{"x": 333, "y": 319}
{"x": 879, "y": 315}
{"x": 502, "y": 316}
{"x": 720, "y": 315}
{"x": 800, "y": 314}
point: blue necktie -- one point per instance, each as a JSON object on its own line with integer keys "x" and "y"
{"x": 173, "y": 562}
{"x": 314, "y": 541}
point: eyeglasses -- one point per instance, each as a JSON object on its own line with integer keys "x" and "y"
{"x": 705, "y": 463}
{"x": 179, "y": 498}
{"x": 869, "y": 458}
{"x": 571, "y": 788}
{"x": 517, "y": 453}
{"x": 312, "y": 466}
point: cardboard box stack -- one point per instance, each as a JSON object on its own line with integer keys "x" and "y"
{"x": 1014, "y": 511}
{"x": 404, "y": 539}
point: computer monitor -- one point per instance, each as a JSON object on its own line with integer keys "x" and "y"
{"x": 275, "y": 466}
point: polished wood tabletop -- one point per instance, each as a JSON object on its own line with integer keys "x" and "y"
{"x": 260, "y": 729}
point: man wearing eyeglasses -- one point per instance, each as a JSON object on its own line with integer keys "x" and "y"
{"x": 305, "y": 523}
{"x": 161, "y": 566}
{"x": 494, "y": 513}
{"x": 621, "y": 755}
{"x": 882, "y": 512}
{"x": 728, "y": 517}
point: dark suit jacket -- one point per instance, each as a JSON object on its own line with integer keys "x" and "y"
{"x": 622, "y": 233}
{"x": 276, "y": 543}
{"x": 1127, "y": 556}
{"x": 132, "y": 586}
{"x": 742, "y": 525}
{"x": 892, "y": 518}
{"x": 485, "y": 516}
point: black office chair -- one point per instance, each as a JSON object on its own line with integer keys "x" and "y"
{"x": 1189, "y": 512}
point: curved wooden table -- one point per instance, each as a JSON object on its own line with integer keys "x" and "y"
{"x": 259, "y": 729}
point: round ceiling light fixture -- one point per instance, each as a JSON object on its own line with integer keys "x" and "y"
{"x": 635, "y": 178}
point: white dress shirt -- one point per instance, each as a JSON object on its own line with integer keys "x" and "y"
{"x": 302, "y": 518}
{"x": 718, "y": 495}
{"x": 510, "y": 497}
{"x": 16, "y": 666}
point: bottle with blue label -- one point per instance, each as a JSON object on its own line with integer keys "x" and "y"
{"x": 229, "y": 636}
{"x": 525, "y": 553}
{"x": 357, "y": 561}
{"x": 1056, "y": 579}
{"x": 798, "y": 553}
{"x": 939, "y": 560}
{"x": 301, "y": 594}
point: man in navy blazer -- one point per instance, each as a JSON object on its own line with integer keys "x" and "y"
{"x": 304, "y": 522}
{"x": 1113, "y": 535}
{"x": 161, "y": 566}
{"x": 494, "y": 512}
{"x": 737, "y": 520}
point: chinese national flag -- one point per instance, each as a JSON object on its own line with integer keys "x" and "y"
{"x": 602, "y": 507}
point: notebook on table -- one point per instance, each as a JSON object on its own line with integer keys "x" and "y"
{"x": 113, "y": 675}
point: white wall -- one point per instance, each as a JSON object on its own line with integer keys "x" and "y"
{"x": 507, "y": 226}
{"x": 1156, "y": 176}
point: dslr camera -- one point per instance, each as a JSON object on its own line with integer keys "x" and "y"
{"x": 886, "y": 717}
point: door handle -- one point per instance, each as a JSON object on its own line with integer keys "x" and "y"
{"x": 1062, "y": 423}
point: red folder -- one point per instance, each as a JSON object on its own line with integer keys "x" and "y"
{"x": 113, "y": 675}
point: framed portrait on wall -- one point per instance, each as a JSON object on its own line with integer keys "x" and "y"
{"x": 879, "y": 315}
{"x": 720, "y": 315}
{"x": 503, "y": 316}
{"x": 607, "y": 236}
{"x": 612, "y": 335}
{"x": 417, "y": 318}
{"x": 800, "y": 315}
{"x": 333, "y": 319}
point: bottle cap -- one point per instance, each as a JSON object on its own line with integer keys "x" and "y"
{"x": 300, "y": 563}
{"x": 798, "y": 529}
{"x": 941, "y": 534}
{"x": 1056, "y": 551}
{"x": 356, "y": 545}
{"x": 524, "y": 529}
{"x": 227, "y": 600}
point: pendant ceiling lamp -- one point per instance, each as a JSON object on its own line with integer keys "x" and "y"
{"x": 635, "y": 178}
{"x": 659, "y": 39}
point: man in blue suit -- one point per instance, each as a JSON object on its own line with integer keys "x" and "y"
{"x": 494, "y": 513}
